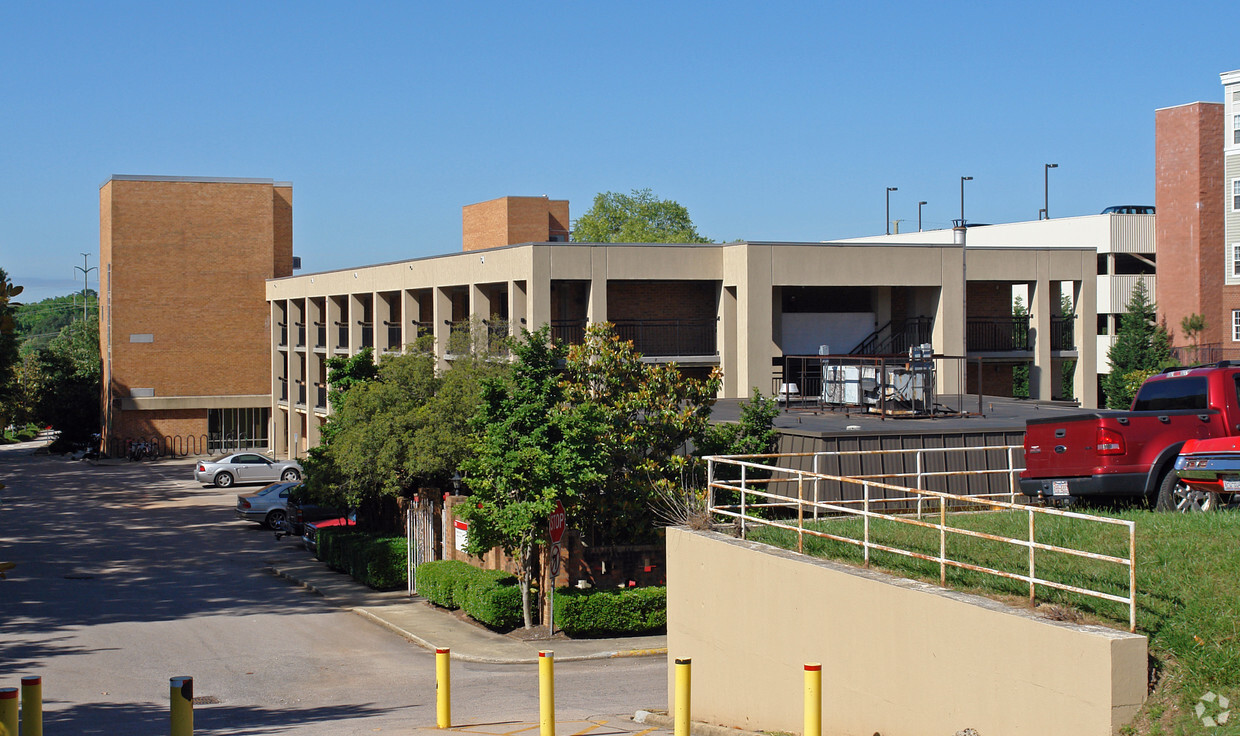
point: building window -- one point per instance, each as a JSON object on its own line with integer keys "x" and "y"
{"x": 1235, "y": 260}
{"x": 1235, "y": 128}
{"x": 1235, "y": 325}
{"x": 1235, "y": 195}
{"x": 231, "y": 430}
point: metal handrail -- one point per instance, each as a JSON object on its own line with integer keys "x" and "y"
{"x": 745, "y": 489}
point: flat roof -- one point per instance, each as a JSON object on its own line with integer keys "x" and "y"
{"x": 197, "y": 179}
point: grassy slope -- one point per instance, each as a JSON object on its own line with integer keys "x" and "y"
{"x": 1188, "y": 589}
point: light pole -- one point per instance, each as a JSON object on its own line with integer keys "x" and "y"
{"x": 85, "y": 284}
{"x": 1046, "y": 188}
{"x": 919, "y": 206}
{"x": 888, "y": 218}
{"x": 963, "y": 179}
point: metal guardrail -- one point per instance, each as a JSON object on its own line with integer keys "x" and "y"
{"x": 808, "y": 508}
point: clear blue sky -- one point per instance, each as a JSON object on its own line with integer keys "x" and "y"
{"x": 767, "y": 120}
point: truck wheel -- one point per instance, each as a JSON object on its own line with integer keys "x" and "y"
{"x": 1173, "y": 495}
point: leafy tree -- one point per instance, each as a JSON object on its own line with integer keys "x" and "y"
{"x": 638, "y": 217}
{"x": 1020, "y": 372}
{"x": 8, "y": 346}
{"x": 529, "y": 452}
{"x": 1142, "y": 347}
{"x": 641, "y": 417}
{"x": 69, "y": 375}
{"x": 39, "y": 322}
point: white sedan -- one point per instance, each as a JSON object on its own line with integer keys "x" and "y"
{"x": 245, "y": 467}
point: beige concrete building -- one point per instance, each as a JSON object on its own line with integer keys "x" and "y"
{"x": 737, "y": 306}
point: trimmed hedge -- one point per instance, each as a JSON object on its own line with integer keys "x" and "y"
{"x": 611, "y": 612}
{"x": 489, "y": 596}
{"x": 379, "y": 562}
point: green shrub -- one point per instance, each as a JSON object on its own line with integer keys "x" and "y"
{"x": 488, "y": 596}
{"x": 379, "y": 562}
{"x": 611, "y": 612}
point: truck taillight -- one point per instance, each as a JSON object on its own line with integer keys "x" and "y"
{"x": 1109, "y": 442}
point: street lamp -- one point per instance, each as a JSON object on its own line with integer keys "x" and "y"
{"x": 85, "y": 284}
{"x": 1046, "y": 188}
{"x": 963, "y": 179}
{"x": 888, "y": 219}
{"x": 919, "y": 205}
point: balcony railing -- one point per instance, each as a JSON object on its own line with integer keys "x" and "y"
{"x": 1063, "y": 332}
{"x": 283, "y": 390}
{"x": 422, "y": 329}
{"x": 301, "y": 334}
{"x": 569, "y": 331}
{"x": 342, "y": 335}
{"x": 283, "y": 334}
{"x": 320, "y": 396}
{"x": 667, "y": 337}
{"x": 998, "y": 334}
{"x": 368, "y": 334}
{"x": 301, "y": 394}
{"x": 393, "y": 336}
{"x": 320, "y": 334}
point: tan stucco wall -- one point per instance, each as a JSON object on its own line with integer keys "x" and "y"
{"x": 900, "y": 658}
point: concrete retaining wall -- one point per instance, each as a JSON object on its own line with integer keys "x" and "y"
{"x": 900, "y": 658}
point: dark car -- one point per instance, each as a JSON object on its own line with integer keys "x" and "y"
{"x": 301, "y": 510}
{"x": 310, "y": 534}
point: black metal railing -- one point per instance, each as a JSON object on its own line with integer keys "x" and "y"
{"x": 422, "y": 329}
{"x": 342, "y": 334}
{"x": 283, "y": 389}
{"x": 393, "y": 335}
{"x": 569, "y": 331}
{"x": 667, "y": 337}
{"x": 321, "y": 396}
{"x": 998, "y": 334}
{"x": 368, "y": 334}
{"x": 320, "y": 334}
{"x": 283, "y": 334}
{"x": 1063, "y": 332}
{"x": 301, "y": 334}
{"x": 301, "y": 394}
{"x": 896, "y": 337}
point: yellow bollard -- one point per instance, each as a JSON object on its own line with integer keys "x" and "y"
{"x": 32, "y": 706}
{"x": 443, "y": 687}
{"x": 813, "y": 700}
{"x": 681, "y": 705}
{"x": 181, "y": 699}
{"x": 8, "y": 711}
{"x": 546, "y": 693}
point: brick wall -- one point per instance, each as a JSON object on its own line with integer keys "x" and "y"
{"x": 189, "y": 261}
{"x": 638, "y": 300}
{"x": 511, "y": 220}
{"x": 1188, "y": 196}
{"x": 990, "y": 299}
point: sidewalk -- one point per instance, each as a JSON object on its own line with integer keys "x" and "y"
{"x": 432, "y": 628}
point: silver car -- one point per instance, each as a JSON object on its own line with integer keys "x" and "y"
{"x": 245, "y": 467}
{"x": 268, "y": 506}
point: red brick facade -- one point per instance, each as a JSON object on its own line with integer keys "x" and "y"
{"x": 183, "y": 265}
{"x": 512, "y": 220}
{"x": 1188, "y": 197}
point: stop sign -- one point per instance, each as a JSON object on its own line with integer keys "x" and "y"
{"x": 556, "y": 522}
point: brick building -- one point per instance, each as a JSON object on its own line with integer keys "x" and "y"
{"x": 1188, "y": 183}
{"x": 183, "y": 328}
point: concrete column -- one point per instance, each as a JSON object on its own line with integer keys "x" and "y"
{"x": 596, "y": 309}
{"x": 410, "y": 316}
{"x": 1085, "y": 379}
{"x": 278, "y": 431}
{"x": 751, "y": 265}
{"x": 1041, "y": 300}
{"x": 314, "y": 365}
{"x": 726, "y": 340}
{"x": 538, "y": 289}
{"x": 517, "y": 305}
{"x": 353, "y": 318}
{"x": 441, "y": 318}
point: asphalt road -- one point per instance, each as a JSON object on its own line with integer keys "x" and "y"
{"x": 130, "y": 574}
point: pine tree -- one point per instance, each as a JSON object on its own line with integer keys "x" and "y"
{"x": 1142, "y": 347}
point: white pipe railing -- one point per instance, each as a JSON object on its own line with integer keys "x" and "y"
{"x": 742, "y": 512}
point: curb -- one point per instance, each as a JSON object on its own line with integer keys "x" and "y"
{"x": 697, "y": 728}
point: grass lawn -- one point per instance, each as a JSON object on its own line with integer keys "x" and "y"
{"x": 1188, "y": 589}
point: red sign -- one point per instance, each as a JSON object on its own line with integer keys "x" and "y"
{"x": 556, "y": 523}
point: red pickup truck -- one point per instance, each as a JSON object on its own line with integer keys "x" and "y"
{"x": 1132, "y": 453}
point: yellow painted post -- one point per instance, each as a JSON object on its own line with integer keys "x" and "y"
{"x": 681, "y": 706}
{"x": 181, "y": 702}
{"x": 8, "y": 711}
{"x": 32, "y": 706}
{"x": 813, "y": 700}
{"x": 443, "y": 687}
{"x": 546, "y": 693}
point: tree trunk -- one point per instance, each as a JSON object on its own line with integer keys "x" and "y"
{"x": 525, "y": 579}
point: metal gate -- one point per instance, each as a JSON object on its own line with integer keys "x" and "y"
{"x": 419, "y": 535}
